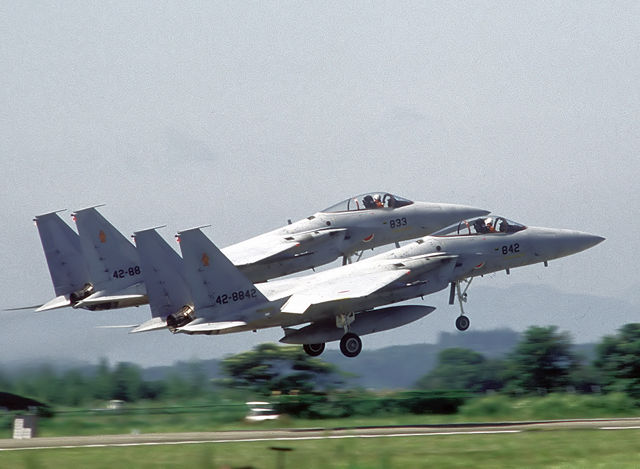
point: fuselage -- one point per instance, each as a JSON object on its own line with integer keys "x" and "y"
{"x": 342, "y": 231}
{"x": 434, "y": 262}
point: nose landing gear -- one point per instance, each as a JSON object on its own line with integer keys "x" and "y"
{"x": 462, "y": 322}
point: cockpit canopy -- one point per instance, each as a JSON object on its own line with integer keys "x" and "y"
{"x": 481, "y": 226}
{"x": 372, "y": 200}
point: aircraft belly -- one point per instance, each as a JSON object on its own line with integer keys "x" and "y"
{"x": 367, "y": 322}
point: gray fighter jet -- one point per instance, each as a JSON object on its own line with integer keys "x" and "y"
{"x": 100, "y": 269}
{"x": 345, "y": 302}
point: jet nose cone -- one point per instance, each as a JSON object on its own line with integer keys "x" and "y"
{"x": 571, "y": 242}
{"x": 589, "y": 240}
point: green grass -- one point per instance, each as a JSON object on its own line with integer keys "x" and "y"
{"x": 157, "y": 419}
{"x": 534, "y": 449}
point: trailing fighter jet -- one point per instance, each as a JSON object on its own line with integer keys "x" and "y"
{"x": 345, "y": 229}
{"x": 100, "y": 269}
{"x": 345, "y": 302}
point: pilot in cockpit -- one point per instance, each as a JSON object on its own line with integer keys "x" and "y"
{"x": 489, "y": 225}
{"x": 377, "y": 202}
{"x": 484, "y": 225}
{"x": 368, "y": 202}
{"x": 480, "y": 226}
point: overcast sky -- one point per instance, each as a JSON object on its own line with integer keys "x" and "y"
{"x": 244, "y": 114}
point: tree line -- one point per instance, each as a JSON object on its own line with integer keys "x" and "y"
{"x": 542, "y": 362}
{"x": 124, "y": 381}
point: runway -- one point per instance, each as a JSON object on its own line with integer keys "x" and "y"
{"x": 100, "y": 441}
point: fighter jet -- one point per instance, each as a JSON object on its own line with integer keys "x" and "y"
{"x": 100, "y": 269}
{"x": 345, "y": 302}
{"x": 345, "y": 229}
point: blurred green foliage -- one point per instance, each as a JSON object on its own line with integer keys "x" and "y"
{"x": 103, "y": 383}
{"x": 271, "y": 368}
{"x": 543, "y": 362}
{"x": 304, "y": 387}
{"x": 361, "y": 403}
{"x": 619, "y": 361}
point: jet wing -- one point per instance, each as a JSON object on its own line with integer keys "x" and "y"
{"x": 251, "y": 253}
{"x": 263, "y": 248}
{"x": 342, "y": 289}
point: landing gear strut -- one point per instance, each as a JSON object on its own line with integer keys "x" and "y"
{"x": 313, "y": 350}
{"x": 462, "y": 322}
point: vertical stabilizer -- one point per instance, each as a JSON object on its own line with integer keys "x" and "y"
{"x": 214, "y": 281}
{"x": 112, "y": 260}
{"x": 163, "y": 272}
{"x": 63, "y": 253}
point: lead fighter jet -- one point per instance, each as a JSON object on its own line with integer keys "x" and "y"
{"x": 99, "y": 269}
{"x": 339, "y": 303}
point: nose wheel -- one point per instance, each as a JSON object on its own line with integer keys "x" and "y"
{"x": 462, "y": 323}
{"x": 350, "y": 345}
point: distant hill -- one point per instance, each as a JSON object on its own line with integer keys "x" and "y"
{"x": 400, "y": 366}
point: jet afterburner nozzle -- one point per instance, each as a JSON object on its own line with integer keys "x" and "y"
{"x": 180, "y": 318}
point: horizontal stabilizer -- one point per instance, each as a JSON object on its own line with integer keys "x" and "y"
{"x": 205, "y": 327}
{"x": 152, "y": 324}
{"x": 23, "y": 308}
{"x": 342, "y": 289}
{"x": 119, "y": 326}
{"x": 58, "y": 302}
{"x": 137, "y": 299}
{"x": 135, "y": 294}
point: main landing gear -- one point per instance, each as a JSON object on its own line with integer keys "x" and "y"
{"x": 313, "y": 350}
{"x": 350, "y": 344}
{"x": 462, "y": 322}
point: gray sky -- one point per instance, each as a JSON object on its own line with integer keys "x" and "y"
{"x": 241, "y": 115}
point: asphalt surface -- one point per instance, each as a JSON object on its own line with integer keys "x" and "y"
{"x": 314, "y": 434}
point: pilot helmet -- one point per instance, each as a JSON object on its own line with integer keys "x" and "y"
{"x": 488, "y": 221}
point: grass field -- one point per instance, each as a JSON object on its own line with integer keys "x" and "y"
{"x": 531, "y": 449}
{"x": 157, "y": 419}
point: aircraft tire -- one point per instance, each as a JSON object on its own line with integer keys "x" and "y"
{"x": 350, "y": 345}
{"x": 462, "y": 323}
{"x": 313, "y": 350}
